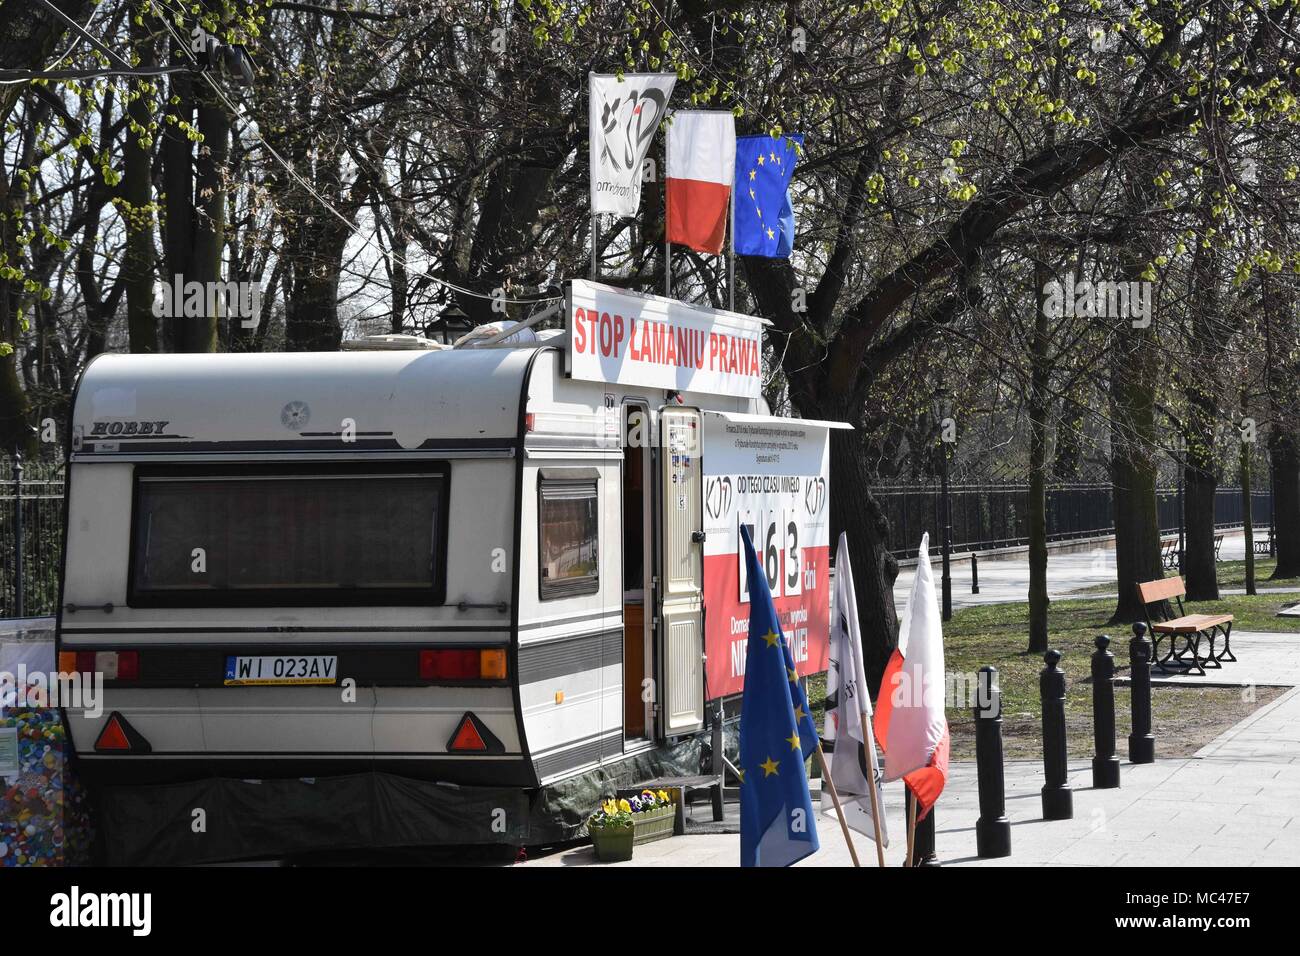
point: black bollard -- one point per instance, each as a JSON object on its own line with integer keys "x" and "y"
{"x": 992, "y": 829}
{"x": 1105, "y": 765}
{"x": 1058, "y": 804}
{"x": 923, "y": 851}
{"x": 1141, "y": 742}
{"x": 974, "y": 573}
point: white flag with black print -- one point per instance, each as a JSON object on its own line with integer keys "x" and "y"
{"x": 624, "y": 114}
{"x": 846, "y": 703}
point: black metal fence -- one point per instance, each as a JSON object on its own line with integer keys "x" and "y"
{"x": 988, "y": 516}
{"x": 31, "y": 536}
{"x": 984, "y": 517}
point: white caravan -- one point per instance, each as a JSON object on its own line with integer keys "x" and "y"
{"x": 480, "y": 566}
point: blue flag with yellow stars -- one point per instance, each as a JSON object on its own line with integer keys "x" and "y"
{"x": 777, "y": 735}
{"x": 764, "y": 215}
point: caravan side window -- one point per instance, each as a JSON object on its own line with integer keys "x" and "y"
{"x": 568, "y": 557}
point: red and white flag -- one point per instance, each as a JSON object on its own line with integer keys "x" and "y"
{"x": 910, "y": 721}
{"x": 701, "y": 170}
{"x": 848, "y": 710}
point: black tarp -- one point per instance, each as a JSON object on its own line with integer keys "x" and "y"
{"x": 220, "y": 820}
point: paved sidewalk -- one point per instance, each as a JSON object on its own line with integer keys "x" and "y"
{"x": 1235, "y": 802}
{"x": 1004, "y": 579}
{"x": 1264, "y": 659}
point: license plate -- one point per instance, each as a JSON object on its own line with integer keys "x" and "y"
{"x": 300, "y": 669}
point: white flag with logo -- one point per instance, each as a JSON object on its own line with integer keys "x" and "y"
{"x": 624, "y": 115}
{"x": 846, "y": 703}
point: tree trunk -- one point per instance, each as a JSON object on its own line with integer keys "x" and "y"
{"x": 178, "y": 185}
{"x": 200, "y": 334}
{"x": 1286, "y": 501}
{"x": 1200, "y": 486}
{"x": 1134, "y": 370}
{"x": 855, "y": 510}
{"x": 1039, "y": 401}
{"x": 142, "y": 325}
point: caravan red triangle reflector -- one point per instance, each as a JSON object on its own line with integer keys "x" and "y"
{"x": 467, "y": 736}
{"x": 112, "y": 737}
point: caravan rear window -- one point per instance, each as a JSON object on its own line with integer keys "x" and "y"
{"x": 568, "y": 532}
{"x": 254, "y": 537}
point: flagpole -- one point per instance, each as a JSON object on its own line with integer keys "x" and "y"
{"x": 731, "y": 255}
{"x": 835, "y": 798}
{"x": 870, "y": 748}
{"x": 591, "y": 136}
{"x": 668, "y": 255}
{"x": 911, "y": 823}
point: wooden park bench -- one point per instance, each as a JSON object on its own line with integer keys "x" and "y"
{"x": 1264, "y": 545}
{"x": 1218, "y": 546}
{"x": 1184, "y": 627}
{"x": 1169, "y": 556}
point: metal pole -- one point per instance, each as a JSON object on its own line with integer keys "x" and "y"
{"x": 668, "y": 252}
{"x": 947, "y": 540}
{"x": 1181, "y": 545}
{"x": 1248, "y": 519}
{"x": 731, "y": 254}
{"x": 595, "y": 228}
{"x": 18, "y": 534}
{"x": 1272, "y": 523}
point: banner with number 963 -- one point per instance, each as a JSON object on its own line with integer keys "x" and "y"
{"x": 769, "y": 474}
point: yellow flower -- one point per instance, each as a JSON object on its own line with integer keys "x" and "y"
{"x": 663, "y": 795}
{"x": 609, "y": 808}
{"x": 625, "y": 806}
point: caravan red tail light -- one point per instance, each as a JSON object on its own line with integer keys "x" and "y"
{"x": 128, "y": 665}
{"x": 452, "y": 664}
{"x": 463, "y": 663}
{"x": 530, "y": 421}
{"x": 114, "y": 665}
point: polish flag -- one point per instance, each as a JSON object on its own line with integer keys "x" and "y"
{"x": 701, "y": 169}
{"x": 909, "y": 720}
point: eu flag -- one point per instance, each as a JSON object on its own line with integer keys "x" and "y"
{"x": 777, "y": 735}
{"x": 764, "y": 216}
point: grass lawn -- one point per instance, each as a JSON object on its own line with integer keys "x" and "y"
{"x": 1184, "y": 718}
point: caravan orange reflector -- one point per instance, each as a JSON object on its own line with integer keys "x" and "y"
{"x": 467, "y": 736}
{"x": 113, "y": 737}
{"x": 492, "y": 663}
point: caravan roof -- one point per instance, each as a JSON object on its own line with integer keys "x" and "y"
{"x": 404, "y": 399}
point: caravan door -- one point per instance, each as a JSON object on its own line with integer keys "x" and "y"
{"x": 681, "y": 571}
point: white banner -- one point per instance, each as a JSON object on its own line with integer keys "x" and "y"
{"x": 648, "y": 340}
{"x": 624, "y": 115}
{"x": 769, "y": 474}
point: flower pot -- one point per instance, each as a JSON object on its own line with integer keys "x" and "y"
{"x": 613, "y": 844}
{"x": 654, "y": 824}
